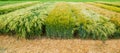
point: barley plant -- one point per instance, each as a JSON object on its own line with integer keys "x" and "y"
{"x": 116, "y": 21}
{"x": 26, "y": 21}
{"x": 60, "y": 22}
{"x": 91, "y": 24}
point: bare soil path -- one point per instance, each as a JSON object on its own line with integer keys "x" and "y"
{"x": 10, "y": 44}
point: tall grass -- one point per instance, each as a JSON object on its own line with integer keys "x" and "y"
{"x": 60, "y": 22}
{"x": 116, "y": 21}
{"x": 25, "y": 22}
{"x": 92, "y": 25}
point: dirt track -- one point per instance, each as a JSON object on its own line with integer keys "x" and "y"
{"x": 10, "y": 44}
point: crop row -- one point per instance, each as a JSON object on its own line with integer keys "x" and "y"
{"x": 64, "y": 20}
{"x": 116, "y": 21}
{"x": 113, "y": 16}
{"x": 112, "y": 8}
{"x": 25, "y": 22}
{"x": 12, "y": 7}
{"x": 60, "y": 22}
{"x": 110, "y": 3}
{"x": 102, "y": 11}
{"x": 93, "y": 25}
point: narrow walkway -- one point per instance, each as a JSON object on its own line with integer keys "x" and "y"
{"x": 10, "y": 44}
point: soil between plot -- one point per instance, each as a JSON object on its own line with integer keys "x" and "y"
{"x": 9, "y": 44}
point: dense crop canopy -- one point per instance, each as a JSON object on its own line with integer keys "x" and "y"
{"x": 63, "y": 20}
{"x": 116, "y": 21}
{"x": 93, "y": 25}
{"x": 25, "y": 21}
{"x": 60, "y": 22}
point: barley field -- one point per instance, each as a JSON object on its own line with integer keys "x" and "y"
{"x": 42, "y": 26}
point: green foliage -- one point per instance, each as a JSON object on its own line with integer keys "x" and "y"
{"x": 116, "y": 21}
{"x": 25, "y": 22}
{"x": 60, "y": 22}
{"x": 8, "y": 8}
{"x": 65, "y": 0}
{"x": 95, "y": 30}
{"x": 2, "y": 3}
{"x": 93, "y": 25}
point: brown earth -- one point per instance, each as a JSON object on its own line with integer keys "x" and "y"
{"x": 9, "y": 44}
